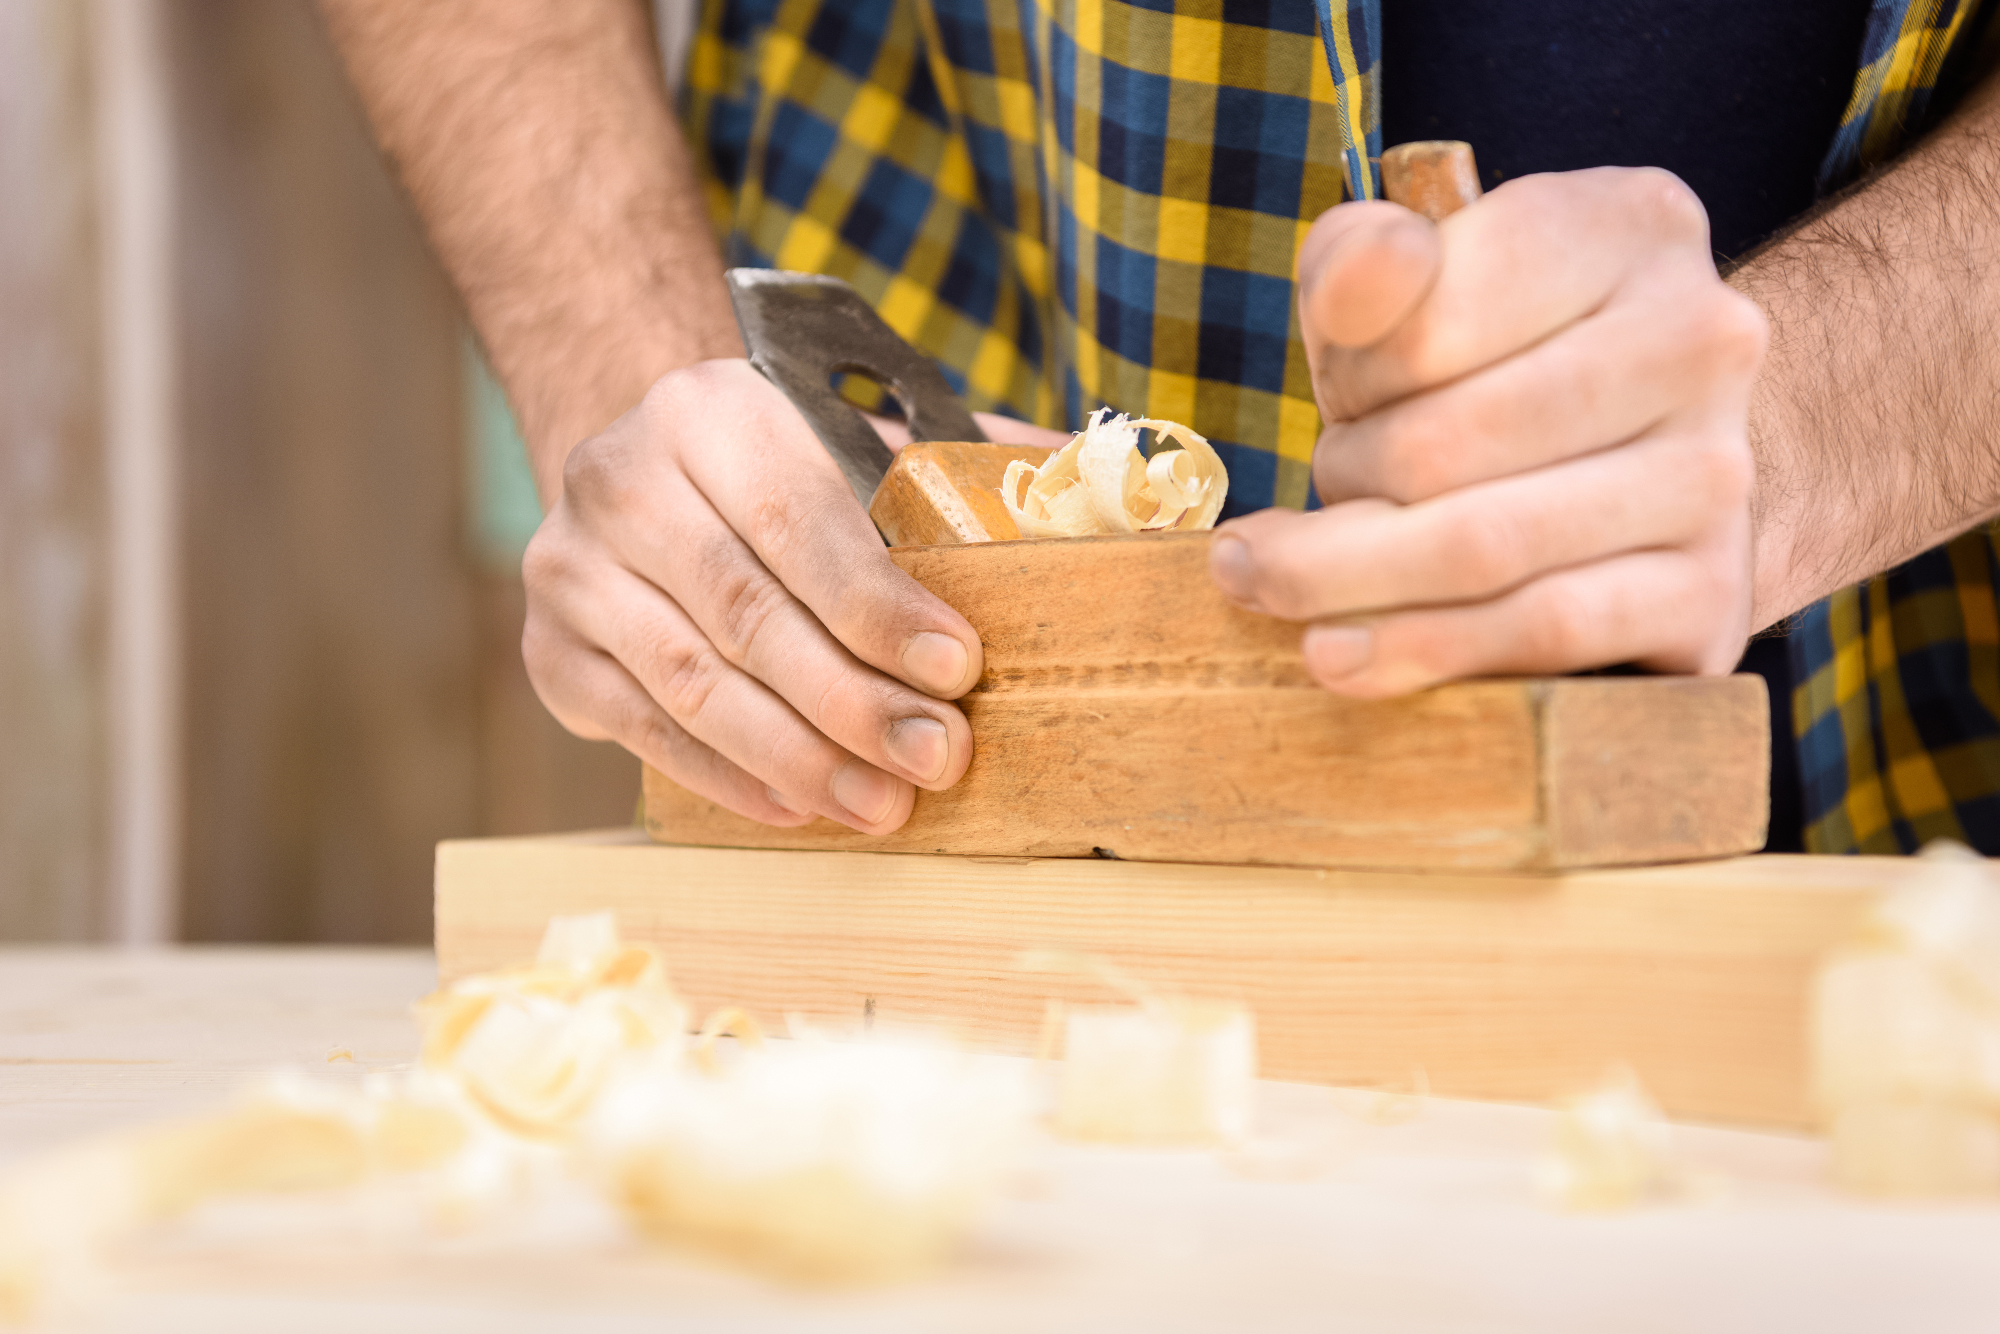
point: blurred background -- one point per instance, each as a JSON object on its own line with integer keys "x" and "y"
{"x": 261, "y": 511}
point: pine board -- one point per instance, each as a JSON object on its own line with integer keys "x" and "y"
{"x": 1498, "y": 985}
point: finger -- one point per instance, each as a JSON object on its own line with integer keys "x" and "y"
{"x": 756, "y": 624}
{"x": 729, "y": 710}
{"x": 895, "y": 432}
{"x": 591, "y": 695}
{"x": 1362, "y": 268}
{"x": 1481, "y": 540}
{"x": 996, "y": 427}
{"x": 1527, "y": 259}
{"x": 769, "y": 478}
{"x": 1670, "y": 611}
{"x": 1005, "y": 430}
{"x": 1606, "y": 379}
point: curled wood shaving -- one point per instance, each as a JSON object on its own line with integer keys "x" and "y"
{"x": 1612, "y": 1149}
{"x": 1906, "y": 1036}
{"x": 533, "y": 1046}
{"x": 1170, "y": 1070}
{"x": 1100, "y": 482}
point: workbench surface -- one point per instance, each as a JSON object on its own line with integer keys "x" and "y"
{"x": 1431, "y": 1225}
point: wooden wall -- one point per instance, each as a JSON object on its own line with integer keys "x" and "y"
{"x": 352, "y": 685}
{"x": 332, "y": 723}
{"x": 355, "y": 684}
{"x": 53, "y": 554}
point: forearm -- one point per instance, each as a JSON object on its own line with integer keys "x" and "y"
{"x": 1874, "y": 421}
{"x": 536, "y": 141}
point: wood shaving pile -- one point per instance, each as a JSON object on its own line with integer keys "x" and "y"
{"x": 1101, "y": 483}
{"x": 827, "y": 1161}
{"x": 1906, "y": 1037}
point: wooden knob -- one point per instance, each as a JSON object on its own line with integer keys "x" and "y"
{"x": 1434, "y": 177}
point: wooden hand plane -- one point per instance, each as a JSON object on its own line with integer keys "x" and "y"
{"x": 1129, "y": 710}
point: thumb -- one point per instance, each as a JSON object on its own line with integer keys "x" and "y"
{"x": 1362, "y": 269}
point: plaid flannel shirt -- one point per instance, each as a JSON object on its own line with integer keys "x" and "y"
{"x": 1071, "y": 203}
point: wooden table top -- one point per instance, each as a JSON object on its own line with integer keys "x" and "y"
{"x": 1432, "y": 1225}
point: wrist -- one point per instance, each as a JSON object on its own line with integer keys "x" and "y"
{"x": 568, "y": 380}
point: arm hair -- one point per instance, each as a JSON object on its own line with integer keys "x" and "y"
{"x": 535, "y": 139}
{"x": 1876, "y": 420}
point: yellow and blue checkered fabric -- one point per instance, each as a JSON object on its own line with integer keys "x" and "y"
{"x": 1066, "y": 202}
{"x": 1071, "y": 203}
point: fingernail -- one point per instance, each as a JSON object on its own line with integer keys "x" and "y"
{"x": 864, "y": 792}
{"x": 1229, "y": 565}
{"x": 935, "y": 662}
{"x": 1338, "y": 650}
{"x": 784, "y": 802}
{"x": 920, "y": 745}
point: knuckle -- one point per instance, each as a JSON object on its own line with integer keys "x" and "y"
{"x": 656, "y": 735}
{"x": 1333, "y": 470}
{"x": 1724, "y": 471}
{"x": 1738, "y": 331}
{"x": 543, "y": 563}
{"x": 698, "y": 384}
{"x": 687, "y": 671}
{"x": 595, "y": 473}
{"x": 1415, "y": 450}
{"x": 745, "y": 605}
{"x": 1667, "y": 202}
{"x": 786, "y": 522}
{"x": 540, "y": 651}
{"x": 1561, "y": 631}
{"x": 1718, "y": 592}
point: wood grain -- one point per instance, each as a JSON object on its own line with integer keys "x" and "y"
{"x": 1505, "y": 986}
{"x": 1128, "y": 707}
{"x": 941, "y": 493}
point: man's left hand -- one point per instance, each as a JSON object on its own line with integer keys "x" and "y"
{"x": 1535, "y": 457}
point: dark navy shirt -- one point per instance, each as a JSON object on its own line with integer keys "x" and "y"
{"x": 1739, "y": 99}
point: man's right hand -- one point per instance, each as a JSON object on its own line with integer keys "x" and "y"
{"x": 707, "y": 593}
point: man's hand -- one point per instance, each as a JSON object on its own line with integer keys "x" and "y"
{"x": 708, "y": 594}
{"x": 1535, "y": 457}
{"x": 705, "y": 590}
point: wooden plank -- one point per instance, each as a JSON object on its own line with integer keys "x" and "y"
{"x": 1414, "y": 1228}
{"x": 1504, "y": 986}
{"x": 332, "y": 707}
{"x": 942, "y": 493}
{"x": 1128, "y": 706}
